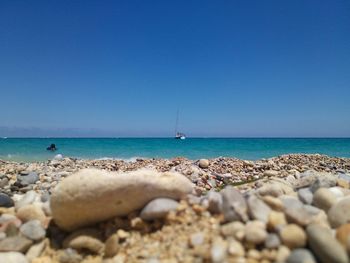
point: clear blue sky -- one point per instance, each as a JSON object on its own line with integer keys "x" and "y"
{"x": 234, "y": 68}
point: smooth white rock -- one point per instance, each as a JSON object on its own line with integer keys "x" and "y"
{"x": 91, "y": 195}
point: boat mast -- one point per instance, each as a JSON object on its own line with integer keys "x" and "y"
{"x": 177, "y": 121}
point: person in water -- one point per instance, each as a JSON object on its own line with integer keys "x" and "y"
{"x": 52, "y": 147}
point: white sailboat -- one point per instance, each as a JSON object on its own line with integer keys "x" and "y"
{"x": 178, "y": 135}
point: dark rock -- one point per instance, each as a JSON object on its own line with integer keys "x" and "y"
{"x": 5, "y": 200}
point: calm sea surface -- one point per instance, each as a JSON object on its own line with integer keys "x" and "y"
{"x": 34, "y": 149}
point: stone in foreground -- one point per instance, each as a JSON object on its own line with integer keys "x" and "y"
{"x": 12, "y": 257}
{"x": 90, "y": 195}
{"x": 326, "y": 248}
{"x": 158, "y": 208}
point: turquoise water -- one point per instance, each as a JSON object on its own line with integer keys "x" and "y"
{"x": 34, "y": 149}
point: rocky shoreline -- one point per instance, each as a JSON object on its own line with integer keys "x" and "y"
{"x": 291, "y": 208}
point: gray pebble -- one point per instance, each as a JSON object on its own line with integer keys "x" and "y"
{"x": 33, "y": 230}
{"x": 158, "y": 208}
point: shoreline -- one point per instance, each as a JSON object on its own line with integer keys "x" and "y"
{"x": 207, "y": 210}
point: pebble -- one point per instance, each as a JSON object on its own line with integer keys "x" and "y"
{"x": 293, "y": 236}
{"x": 29, "y": 198}
{"x": 3, "y": 182}
{"x": 218, "y": 251}
{"x": 231, "y": 229}
{"x": 324, "y": 199}
{"x": 273, "y": 202}
{"x": 112, "y": 246}
{"x": 343, "y": 235}
{"x": 339, "y": 213}
{"x": 271, "y": 173}
{"x": 255, "y": 232}
{"x": 283, "y": 253}
{"x": 15, "y": 243}
{"x": 296, "y": 212}
{"x": 12, "y": 257}
{"x": 158, "y": 208}
{"x": 203, "y": 163}
{"x": 35, "y": 251}
{"x": 324, "y": 246}
{"x": 86, "y": 242}
{"x": 197, "y": 239}
{"x": 234, "y": 205}
{"x": 31, "y": 212}
{"x": 235, "y": 248}
{"x": 69, "y": 255}
{"x": 214, "y": 202}
{"x": 58, "y": 157}
{"x": 326, "y": 181}
{"x": 276, "y": 220}
{"x": 337, "y": 191}
{"x": 33, "y": 230}
{"x": 272, "y": 241}
{"x": 275, "y": 188}
{"x": 5, "y": 200}
{"x": 72, "y": 209}
{"x": 30, "y": 178}
{"x": 301, "y": 255}
{"x": 305, "y": 195}
{"x": 258, "y": 209}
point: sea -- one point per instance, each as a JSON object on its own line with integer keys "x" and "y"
{"x": 129, "y": 149}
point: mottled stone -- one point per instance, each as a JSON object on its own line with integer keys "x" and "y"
{"x": 326, "y": 248}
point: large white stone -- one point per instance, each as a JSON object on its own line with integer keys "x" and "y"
{"x": 90, "y": 195}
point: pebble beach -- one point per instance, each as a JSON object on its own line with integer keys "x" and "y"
{"x": 290, "y": 208}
